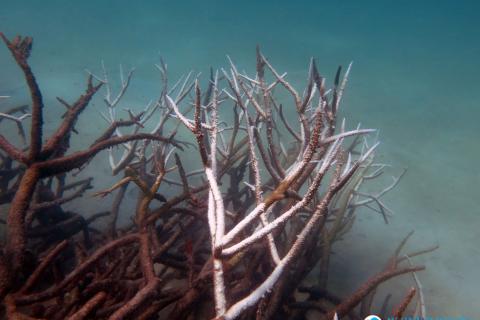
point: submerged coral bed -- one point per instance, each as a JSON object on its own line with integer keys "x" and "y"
{"x": 239, "y": 237}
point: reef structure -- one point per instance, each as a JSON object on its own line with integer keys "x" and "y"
{"x": 238, "y": 238}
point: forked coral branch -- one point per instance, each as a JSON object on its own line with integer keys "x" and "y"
{"x": 229, "y": 231}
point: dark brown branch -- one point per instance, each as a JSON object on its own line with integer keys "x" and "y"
{"x": 406, "y": 301}
{"x": 16, "y": 231}
{"x": 20, "y": 49}
{"x": 77, "y": 159}
{"x": 84, "y": 185}
{"x": 353, "y": 300}
{"x": 60, "y": 139}
{"x": 114, "y": 126}
{"x": 181, "y": 172}
{"x": 93, "y": 303}
{"x": 144, "y": 294}
{"x": 116, "y": 209}
{"x": 79, "y": 271}
{"x": 12, "y": 151}
{"x": 42, "y": 267}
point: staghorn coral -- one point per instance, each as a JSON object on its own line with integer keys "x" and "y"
{"x": 236, "y": 243}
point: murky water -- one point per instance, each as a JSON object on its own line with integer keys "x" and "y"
{"x": 415, "y": 77}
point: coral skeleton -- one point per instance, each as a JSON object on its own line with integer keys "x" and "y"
{"x": 234, "y": 237}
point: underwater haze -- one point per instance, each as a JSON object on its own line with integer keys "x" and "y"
{"x": 415, "y": 77}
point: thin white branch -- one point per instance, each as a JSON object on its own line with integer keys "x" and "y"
{"x": 287, "y": 85}
{"x": 13, "y": 118}
{"x": 188, "y": 123}
{"x": 423, "y": 309}
{"x": 237, "y": 309}
{"x": 260, "y": 233}
{"x": 346, "y": 134}
{"x": 343, "y": 84}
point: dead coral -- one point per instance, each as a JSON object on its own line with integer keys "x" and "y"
{"x": 237, "y": 239}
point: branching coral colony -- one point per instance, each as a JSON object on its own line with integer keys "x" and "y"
{"x": 235, "y": 242}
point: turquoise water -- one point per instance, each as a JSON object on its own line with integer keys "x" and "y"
{"x": 415, "y": 78}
